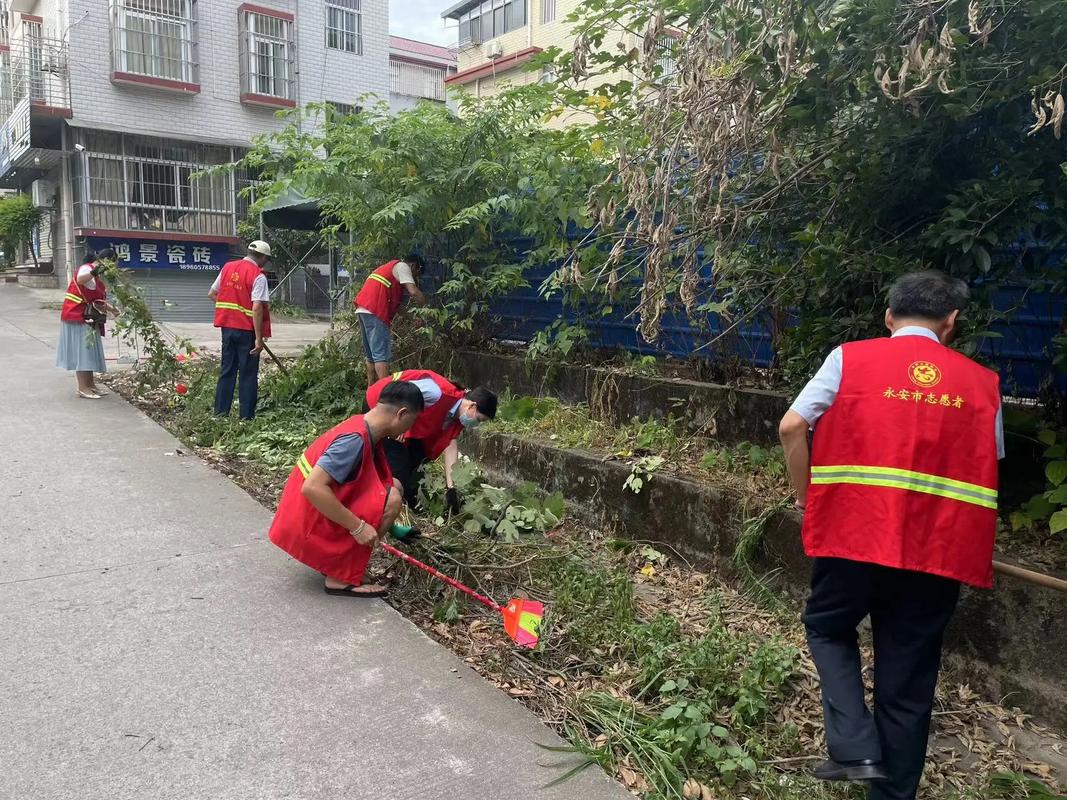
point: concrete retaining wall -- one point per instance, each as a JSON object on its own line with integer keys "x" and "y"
{"x": 1010, "y": 642}
{"x": 39, "y": 281}
{"x": 721, "y": 412}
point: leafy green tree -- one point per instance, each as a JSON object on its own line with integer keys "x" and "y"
{"x": 18, "y": 219}
{"x": 462, "y": 190}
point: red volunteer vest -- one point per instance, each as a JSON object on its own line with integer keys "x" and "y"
{"x": 904, "y": 462}
{"x": 430, "y": 424}
{"x": 78, "y": 296}
{"x": 233, "y": 306}
{"x": 382, "y": 294}
{"x": 304, "y": 533}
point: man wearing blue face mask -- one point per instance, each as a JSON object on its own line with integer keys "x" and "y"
{"x": 449, "y": 410}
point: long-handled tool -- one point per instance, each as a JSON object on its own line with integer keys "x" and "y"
{"x": 274, "y": 358}
{"x": 522, "y": 618}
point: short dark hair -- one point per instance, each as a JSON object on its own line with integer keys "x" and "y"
{"x": 484, "y": 401}
{"x": 928, "y": 295}
{"x": 106, "y": 254}
{"x": 402, "y": 394}
{"x": 413, "y": 260}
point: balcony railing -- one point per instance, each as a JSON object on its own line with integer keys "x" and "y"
{"x": 416, "y": 80}
{"x": 36, "y": 68}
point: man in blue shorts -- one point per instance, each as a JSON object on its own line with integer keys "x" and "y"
{"x": 378, "y": 303}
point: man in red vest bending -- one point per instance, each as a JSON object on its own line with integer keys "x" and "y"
{"x": 449, "y": 410}
{"x": 341, "y": 499}
{"x": 899, "y": 494}
{"x": 378, "y": 303}
{"x": 242, "y": 310}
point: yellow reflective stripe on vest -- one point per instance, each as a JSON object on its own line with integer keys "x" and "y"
{"x": 235, "y": 307}
{"x": 905, "y": 479}
{"x": 304, "y": 466}
{"x": 396, "y": 375}
{"x": 388, "y": 284}
{"x": 74, "y": 298}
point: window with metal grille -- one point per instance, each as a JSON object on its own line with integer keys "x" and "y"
{"x": 548, "y": 11}
{"x": 344, "y": 26}
{"x": 344, "y": 109}
{"x": 491, "y": 19}
{"x": 667, "y": 59}
{"x": 155, "y": 38}
{"x": 33, "y": 40}
{"x": 4, "y": 19}
{"x": 417, "y": 80}
{"x": 125, "y": 182}
{"x": 267, "y": 66}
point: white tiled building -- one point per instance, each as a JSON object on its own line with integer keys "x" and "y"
{"x": 111, "y": 108}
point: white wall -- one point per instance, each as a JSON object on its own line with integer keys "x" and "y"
{"x": 217, "y": 112}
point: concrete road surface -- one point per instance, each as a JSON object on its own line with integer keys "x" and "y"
{"x": 288, "y": 336}
{"x": 155, "y": 645}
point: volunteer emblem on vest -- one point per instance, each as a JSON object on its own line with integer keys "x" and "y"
{"x": 925, "y": 374}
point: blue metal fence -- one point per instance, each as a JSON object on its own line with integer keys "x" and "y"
{"x": 1021, "y": 349}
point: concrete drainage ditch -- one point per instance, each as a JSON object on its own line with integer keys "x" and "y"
{"x": 1009, "y": 642}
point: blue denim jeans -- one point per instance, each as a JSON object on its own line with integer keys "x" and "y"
{"x": 377, "y": 339}
{"x": 239, "y": 367}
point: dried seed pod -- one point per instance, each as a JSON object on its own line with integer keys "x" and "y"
{"x": 945, "y": 39}
{"x": 902, "y": 78}
{"x": 972, "y": 18}
{"x": 1041, "y": 121}
{"x": 987, "y": 29}
{"x": 886, "y": 84}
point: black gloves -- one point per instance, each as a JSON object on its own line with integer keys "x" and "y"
{"x": 452, "y": 500}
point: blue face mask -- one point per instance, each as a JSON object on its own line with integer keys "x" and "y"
{"x": 469, "y": 421}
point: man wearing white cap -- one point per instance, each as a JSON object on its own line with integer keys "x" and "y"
{"x": 242, "y": 310}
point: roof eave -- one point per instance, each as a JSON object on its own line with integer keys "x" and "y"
{"x": 459, "y": 8}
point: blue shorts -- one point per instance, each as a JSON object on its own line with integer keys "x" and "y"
{"x": 377, "y": 339}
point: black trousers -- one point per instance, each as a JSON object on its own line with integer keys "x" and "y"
{"x": 909, "y": 612}
{"x": 406, "y": 460}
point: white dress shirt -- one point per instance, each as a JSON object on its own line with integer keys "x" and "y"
{"x": 822, "y": 389}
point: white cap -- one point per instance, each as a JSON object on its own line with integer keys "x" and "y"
{"x": 259, "y": 246}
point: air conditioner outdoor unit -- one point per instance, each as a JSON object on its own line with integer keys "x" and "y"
{"x": 43, "y": 193}
{"x": 493, "y": 50}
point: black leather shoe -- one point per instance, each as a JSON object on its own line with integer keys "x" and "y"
{"x": 858, "y": 771}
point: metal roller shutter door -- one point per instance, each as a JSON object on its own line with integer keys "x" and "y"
{"x": 177, "y": 296}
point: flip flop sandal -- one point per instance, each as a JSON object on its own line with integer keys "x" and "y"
{"x": 384, "y": 578}
{"x": 347, "y": 592}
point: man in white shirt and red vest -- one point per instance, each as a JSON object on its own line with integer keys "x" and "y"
{"x": 378, "y": 303}
{"x": 448, "y": 411}
{"x": 242, "y": 310}
{"x": 899, "y": 493}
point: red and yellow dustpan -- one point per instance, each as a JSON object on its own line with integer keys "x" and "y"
{"x": 522, "y": 618}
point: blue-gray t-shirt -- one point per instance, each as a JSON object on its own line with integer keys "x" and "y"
{"x": 343, "y": 459}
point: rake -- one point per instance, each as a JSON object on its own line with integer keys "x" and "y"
{"x": 522, "y": 618}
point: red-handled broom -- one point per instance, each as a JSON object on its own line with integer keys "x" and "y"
{"x": 522, "y": 618}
